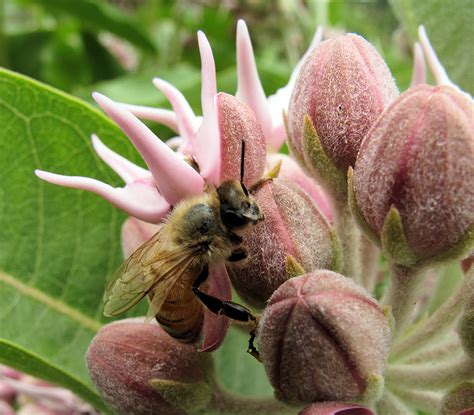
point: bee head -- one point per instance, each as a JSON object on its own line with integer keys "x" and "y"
{"x": 238, "y": 209}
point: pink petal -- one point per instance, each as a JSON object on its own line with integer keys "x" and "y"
{"x": 207, "y": 149}
{"x": 187, "y": 122}
{"x": 127, "y": 170}
{"x": 439, "y": 73}
{"x": 249, "y": 87}
{"x": 237, "y": 124}
{"x": 419, "y": 66}
{"x": 215, "y": 327}
{"x": 140, "y": 199}
{"x": 135, "y": 233}
{"x": 279, "y": 101}
{"x": 175, "y": 178}
{"x": 160, "y": 115}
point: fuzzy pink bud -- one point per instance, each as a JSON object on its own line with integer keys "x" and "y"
{"x": 343, "y": 86}
{"x": 139, "y": 369}
{"x": 324, "y": 338}
{"x": 293, "y": 235}
{"x": 414, "y": 176}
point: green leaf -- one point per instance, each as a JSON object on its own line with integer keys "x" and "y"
{"x": 100, "y": 16}
{"x": 57, "y": 245}
{"x": 35, "y": 366}
{"x": 451, "y": 32}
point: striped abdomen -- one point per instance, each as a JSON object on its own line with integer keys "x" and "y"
{"x": 181, "y": 314}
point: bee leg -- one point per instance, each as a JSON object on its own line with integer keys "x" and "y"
{"x": 232, "y": 310}
{"x": 235, "y": 239}
{"x": 252, "y": 350}
{"x": 238, "y": 255}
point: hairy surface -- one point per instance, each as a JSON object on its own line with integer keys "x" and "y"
{"x": 343, "y": 86}
{"x": 322, "y": 337}
{"x": 419, "y": 158}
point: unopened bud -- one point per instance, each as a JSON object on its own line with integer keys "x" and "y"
{"x": 324, "y": 338}
{"x": 343, "y": 86}
{"x": 294, "y": 238}
{"x": 413, "y": 183}
{"x": 138, "y": 368}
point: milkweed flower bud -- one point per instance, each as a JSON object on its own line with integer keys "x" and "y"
{"x": 459, "y": 401}
{"x": 323, "y": 337}
{"x": 335, "y": 408}
{"x": 413, "y": 187}
{"x": 343, "y": 86}
{"x": 139, "y": 369}
{"x": 288, "y": 242}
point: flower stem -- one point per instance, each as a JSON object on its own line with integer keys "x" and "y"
{"x": 229, "y": 404}
{"x": 429, "y": 376}
{"x": 370, "y": 257}
{"x": 420, "y": 399}
{"x": 449, "y": 278}
{"x": 402, "y": 294}
{"x": 433, "y": 327}
{"x": 349, "y": 236}
{"x": 445, "y": 350}
{"x": 391, "y": 404}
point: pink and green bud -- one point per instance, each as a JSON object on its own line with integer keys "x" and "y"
{"x": 459, "y": 401}
{"x": 294, "y": 238}
{"x": 412, "y": 188}
{"x": 314, "y": 339}
{"x": 138, "y": 368}
{"x": 335, "y": 408}
{"x": 342, "y": 88}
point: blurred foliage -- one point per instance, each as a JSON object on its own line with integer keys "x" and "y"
{"x": 84, "y": 45}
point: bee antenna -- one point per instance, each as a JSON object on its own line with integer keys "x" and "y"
{"x": 242, "y": 162}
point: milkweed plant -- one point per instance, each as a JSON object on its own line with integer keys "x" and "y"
{"x": 373, "y": 202}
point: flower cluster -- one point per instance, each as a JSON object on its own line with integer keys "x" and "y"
{"x": 370, "y": 172}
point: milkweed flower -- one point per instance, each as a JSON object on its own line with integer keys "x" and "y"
{"x": 268, "y": 112}
{"x": 149, "y": 195}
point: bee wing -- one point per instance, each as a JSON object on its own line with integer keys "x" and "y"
{"x": 149, "y": 266}
{"x": 174, "y": 270}
{"x": 133, "y": 280}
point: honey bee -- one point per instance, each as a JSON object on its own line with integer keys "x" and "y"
{"x": 171, "y": 267}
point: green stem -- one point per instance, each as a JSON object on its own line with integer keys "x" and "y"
{"x": 432, "y": 328}
{"x": 420, "y": 399}
{"x": 449, "y": 278}
{"x": 402, "y": 294}
{"x": 229, "y": 404}
{"x": 445, "y": 350}
{"x": 429, "y": 376}
{"x": 349, "y": 236}
{"x": 370, "y": 258}
{"x": 391, "y": 404}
